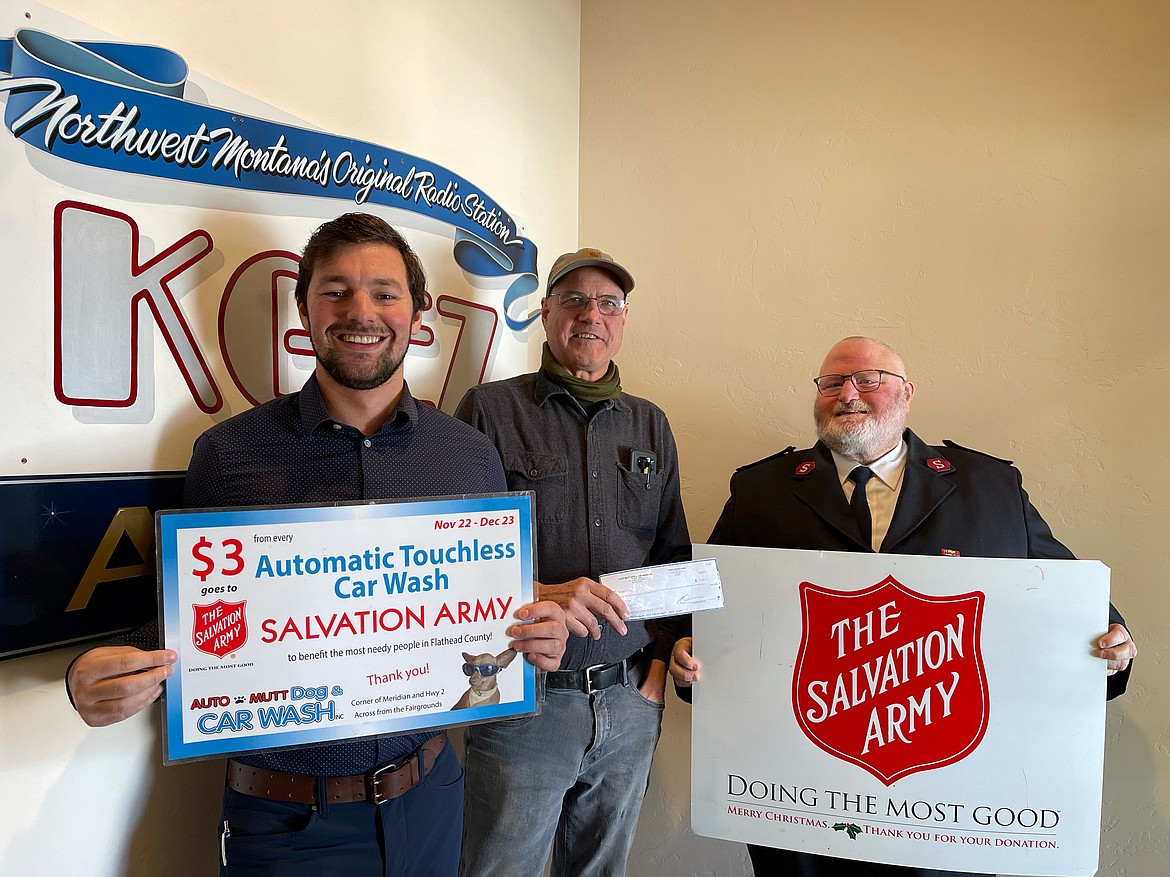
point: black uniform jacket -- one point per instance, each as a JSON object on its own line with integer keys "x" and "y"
{"x": 953, "y": 501}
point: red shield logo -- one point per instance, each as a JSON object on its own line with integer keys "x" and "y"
{"x": 890, "y": 679}
{"x": 220, "y": 627}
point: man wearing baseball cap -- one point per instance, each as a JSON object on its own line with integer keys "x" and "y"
{"x": 604, "y": 467}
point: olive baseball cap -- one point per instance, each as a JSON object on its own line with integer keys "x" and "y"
{"x": 585, "y": 257}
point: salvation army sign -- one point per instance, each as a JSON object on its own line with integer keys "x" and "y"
{"x": 220, "y": 628}
{"x": 935, "y": 712}
{"x": 890, "y": 679}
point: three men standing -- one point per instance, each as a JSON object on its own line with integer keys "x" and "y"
{"x": 604, "y": 467}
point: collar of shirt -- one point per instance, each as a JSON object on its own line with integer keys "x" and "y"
{"x": 314, "y": 415}
{"x": 889, "y": 468}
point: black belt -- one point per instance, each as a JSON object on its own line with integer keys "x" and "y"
{"x": 595, "y": 678}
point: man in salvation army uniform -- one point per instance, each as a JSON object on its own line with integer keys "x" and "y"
{"x": 387, "y": 805}
{"x": 870, "y": 484}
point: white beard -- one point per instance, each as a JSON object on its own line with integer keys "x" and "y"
{"x": 864, "y": 442}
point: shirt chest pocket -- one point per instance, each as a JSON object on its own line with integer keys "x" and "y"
{"x": 638, "y": 500}
{"x": 544, "y": 474}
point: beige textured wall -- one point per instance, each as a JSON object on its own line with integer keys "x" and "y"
{"x": 982, "y": 184}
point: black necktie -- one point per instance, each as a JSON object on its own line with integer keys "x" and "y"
{"x": 860, "y": 505}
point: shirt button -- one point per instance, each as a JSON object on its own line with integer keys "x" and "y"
{"x": 337, "y": 426}
{"x": 594, "y": 473}
{"x": 597, "y": 523}
{"x": 533, "y": 471}
{"x": 368, "y": 443}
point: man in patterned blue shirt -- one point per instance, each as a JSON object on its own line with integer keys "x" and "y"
{"x": 354, "y": 432}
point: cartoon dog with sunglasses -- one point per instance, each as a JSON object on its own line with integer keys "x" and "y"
{"x": 482, "y": 671}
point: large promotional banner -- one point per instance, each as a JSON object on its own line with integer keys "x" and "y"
{"x": 152, "y": 219}
{"x": 304, "y": 625}
{"x": 938, "y": 712}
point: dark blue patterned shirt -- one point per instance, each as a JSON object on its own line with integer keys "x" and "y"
{"x": 290, "y": 452}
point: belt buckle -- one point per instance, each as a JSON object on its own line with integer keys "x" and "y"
{"x": 588, "y": 671}
{"x": 373, "y": 779}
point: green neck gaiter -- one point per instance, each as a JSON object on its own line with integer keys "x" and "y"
{"x": 587, "y": 391}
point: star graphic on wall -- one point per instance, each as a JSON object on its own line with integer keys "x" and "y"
{"x": 51, "y": 514}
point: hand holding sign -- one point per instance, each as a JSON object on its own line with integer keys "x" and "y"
{"x": 1116, "y": 647}
{"x": 542, "y": 638}
{"x": 112, "y": 683}
{"x": 684, "y": 666}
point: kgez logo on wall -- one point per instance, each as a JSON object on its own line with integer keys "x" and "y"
{"x": 126, "y": 119}
{"x": 890, "y": 679}
{"x": 120, "y": 107}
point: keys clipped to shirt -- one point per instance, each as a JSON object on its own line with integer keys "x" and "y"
{"x": 669, "y": 589}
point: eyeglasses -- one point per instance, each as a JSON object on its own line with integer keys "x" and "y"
{"x": 481, "y": 669}
{"x": 866, "y": 381}
{"x": 607, "y": 305}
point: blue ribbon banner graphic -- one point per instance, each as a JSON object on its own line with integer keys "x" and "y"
{"x": 120, "y": 106}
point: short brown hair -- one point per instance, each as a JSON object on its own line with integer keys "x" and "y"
{"x": 359, "y": 228}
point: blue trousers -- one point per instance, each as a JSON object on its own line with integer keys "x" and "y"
{"x": 415, "y": 835}
{"x": 572, "y": 777}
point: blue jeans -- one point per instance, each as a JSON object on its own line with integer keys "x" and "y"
{"x": 415, "y": 835}
{"x": 576, "y": 773}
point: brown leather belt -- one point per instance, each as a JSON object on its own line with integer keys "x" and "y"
{"x": 383, "y": 783}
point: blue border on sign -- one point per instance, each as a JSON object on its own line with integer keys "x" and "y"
{"x": 171, "y": 523}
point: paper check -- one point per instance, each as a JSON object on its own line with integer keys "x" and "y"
{"x": 670, "y": 589}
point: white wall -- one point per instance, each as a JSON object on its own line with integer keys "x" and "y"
{"x": 487, "y": 90}
{"x": 985, "y": 185}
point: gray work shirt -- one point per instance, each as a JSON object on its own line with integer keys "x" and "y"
{"x": 594, "y": 515}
